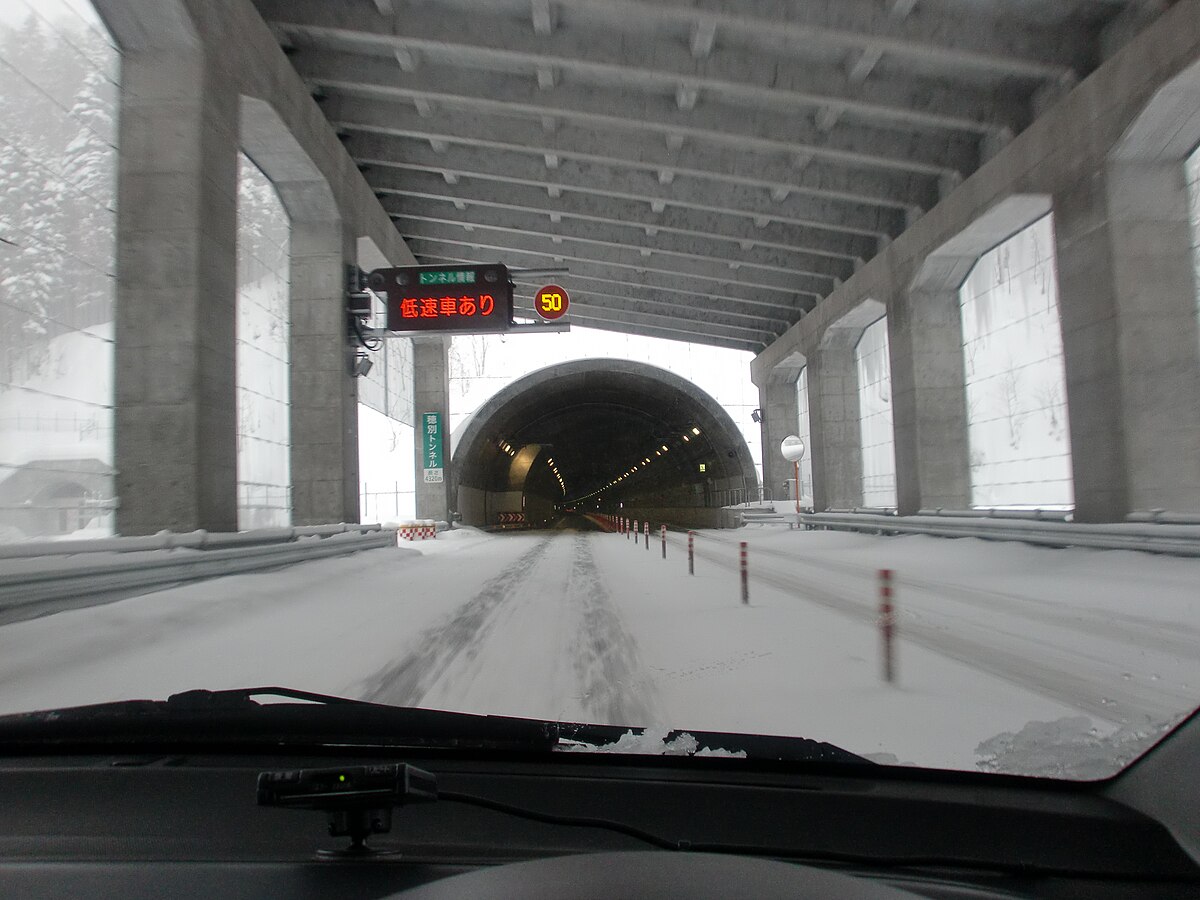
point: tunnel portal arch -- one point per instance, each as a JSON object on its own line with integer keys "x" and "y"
{"x": 587, "y": 422}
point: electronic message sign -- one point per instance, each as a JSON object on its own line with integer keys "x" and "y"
{"x": 463, "y": 299}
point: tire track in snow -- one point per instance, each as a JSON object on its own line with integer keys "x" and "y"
{"x": 406, "y": 682}
{"x": 612, "y": 682}
{"x": 1111, "y": 700}
{"x": 1156, "y": 635}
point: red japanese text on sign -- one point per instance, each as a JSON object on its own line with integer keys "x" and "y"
{"x": 473, "y": 298}
{"x": 447, "y": 307}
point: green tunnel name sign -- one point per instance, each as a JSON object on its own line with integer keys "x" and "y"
{"x": 431, "y": 447}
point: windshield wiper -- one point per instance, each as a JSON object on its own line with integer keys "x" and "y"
{"x": 234, "y": 718}
{"x": 202, "y": 719}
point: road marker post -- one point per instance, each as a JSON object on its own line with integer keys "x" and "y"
{"x": 744, "y": 565}
{"x": 646, "y": 530}
{"x": 664, "y": 541}
{"x": 887, "y": 624}
{"x": 691, "y": 553}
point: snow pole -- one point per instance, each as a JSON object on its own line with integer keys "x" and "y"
{"x": 744, "y": 565}
{"x": 691, "y": 553}
{"x": 887, "y": 624}
{"x": 646, "y": 531}
{"x": 664, "y": 541}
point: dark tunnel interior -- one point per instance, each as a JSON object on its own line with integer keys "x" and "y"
{"x": 598, "y": 436}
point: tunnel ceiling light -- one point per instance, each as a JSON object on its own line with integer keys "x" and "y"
{"x": 686, "y": 438}
{"x": 695, "y": 430}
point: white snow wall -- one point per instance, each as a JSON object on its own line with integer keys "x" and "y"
{"x": 262, "y": 354}
{"x": 872, "y": 355}
{"x": 1016, "y": 384}
{"x": 387, "y": 486}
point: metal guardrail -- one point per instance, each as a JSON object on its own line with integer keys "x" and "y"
{"x": 1178, "y": 540}
{"x": 94, "y": 570}
{"x": 191, "y": 540}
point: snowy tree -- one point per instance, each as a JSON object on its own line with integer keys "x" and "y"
{"x": 89, "y": 164}
{"x": 55, "y": 192}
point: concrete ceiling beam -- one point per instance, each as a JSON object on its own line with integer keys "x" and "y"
{"x": 583, "y": 300}
{"x": 593, "y": 233}
{"x": 743, "y": 75}
{"x": 738, "y": 126}
{"x": 597, "y": 239}
{"x": 500, "y": 246}
{"x": 651, "y": 301}
{"x": 666, "y": 290}
{"x": 704, "y": 35}
{"x": 686, "y": 328}
{"x": 605, "y": 155}
{"x": 420, "y": 193}
{"x": 952, "y": 37}
{"x": 691, "y": 337}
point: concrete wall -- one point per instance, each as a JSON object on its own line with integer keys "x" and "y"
{"x": 1116, "y": 182}
{"x": 199, "y": 78}
{"x": 678, "y": 517}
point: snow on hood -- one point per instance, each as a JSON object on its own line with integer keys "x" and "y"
{"x": 653, "y": 742}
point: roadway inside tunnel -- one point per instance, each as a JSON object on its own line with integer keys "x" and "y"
{"x": 597, "y": 436}
{"x": 596, "y": 627}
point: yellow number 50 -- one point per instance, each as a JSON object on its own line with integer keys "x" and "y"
{"x": 551, "y": 302}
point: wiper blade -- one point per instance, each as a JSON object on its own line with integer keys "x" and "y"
{"x": 223, "y": 719}
{"x": 202, "y": 719}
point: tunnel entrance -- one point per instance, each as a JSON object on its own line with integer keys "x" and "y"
{"x": 599, "y": 436}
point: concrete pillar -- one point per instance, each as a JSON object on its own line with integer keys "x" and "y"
{"x": 324, "y": 402}
{"x": 834, "y": 421}
{"x": 431, "y": 393}
{"x": 1127, "y": 294}
{"x": 777, "y": 400}
{"x": 929, "y": 401}
{"x": 176, "y": 407}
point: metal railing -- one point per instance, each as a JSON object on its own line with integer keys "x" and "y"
{"x": 32, "y": 574}
{"x": 1014, "y": 525}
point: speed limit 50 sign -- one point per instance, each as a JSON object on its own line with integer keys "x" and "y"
{"x": 551, "y": 302}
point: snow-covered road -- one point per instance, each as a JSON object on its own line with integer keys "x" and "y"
{"x": 588, "y": 626}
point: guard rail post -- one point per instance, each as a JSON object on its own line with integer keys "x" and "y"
{"x": 691, "y": 553}
{"x": 743, "y": 564}
{"x": 887, "y": 624}
{"x": 664, "y": 541}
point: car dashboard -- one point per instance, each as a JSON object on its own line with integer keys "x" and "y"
{"x": 574, "y": 825}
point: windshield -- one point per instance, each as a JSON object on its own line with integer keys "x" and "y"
{"x": 774, "y": 371}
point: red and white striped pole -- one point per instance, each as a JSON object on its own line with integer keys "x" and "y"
{"x": 691, "y": 553}
{"x": 887, "y": 623}
{"x": 744, "y": 565}
{"x": 646, "y": 530}
{"x": 664, "y": 541}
